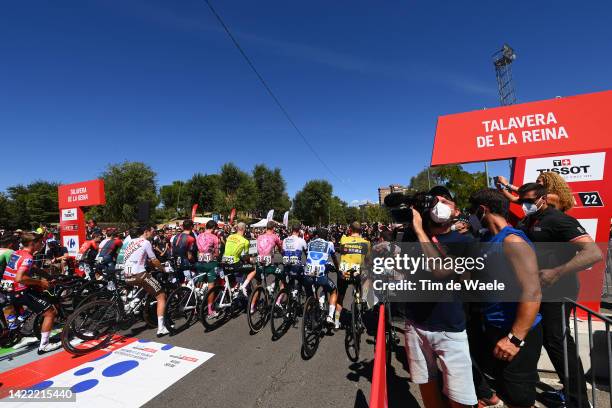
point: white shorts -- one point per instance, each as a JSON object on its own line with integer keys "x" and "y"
{"x": 452, "y": 352}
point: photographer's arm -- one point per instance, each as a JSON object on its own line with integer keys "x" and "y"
{"x": 429, "y": 249}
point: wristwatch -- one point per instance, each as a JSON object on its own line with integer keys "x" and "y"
{"x": 515, "y": 340}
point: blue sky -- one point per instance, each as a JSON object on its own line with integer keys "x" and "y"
{"x": 87, "y": 83}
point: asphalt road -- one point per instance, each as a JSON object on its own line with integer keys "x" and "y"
{"x": 255, "y": 371}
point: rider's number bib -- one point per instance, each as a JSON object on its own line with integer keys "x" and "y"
{"x": 228, "y": 259}
{"x": 347, "y": 267}
{"x": 6, "y": 285}
{"x": 202, "y": 257}
{"x": 291, "y": 260}
{"x": 312, "y": 269}
{"x": 264, "y": 260}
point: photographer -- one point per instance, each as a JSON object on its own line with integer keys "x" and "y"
{"x": 437, "y": 330}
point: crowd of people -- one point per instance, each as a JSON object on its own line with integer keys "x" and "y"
{"x": 460, "y": 354}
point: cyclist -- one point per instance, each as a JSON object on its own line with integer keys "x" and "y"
{"x": 184, "y": 250}
{"x": 132, "y": 233}
{"x": 354, "y": 249}
{"x": 208, "y": 253}
{"x": 8, "y": 245}
{"x": 87, "y": 254}
{"x": 28, "y": 291}
{"x": 138, "y": 253}
{"x": 107, "y": 256}
{"x": 294, "y": 249}
{"x": 236, "y": 254}
{"x": 320, "y": 252}
{"x": 266, "y": 243}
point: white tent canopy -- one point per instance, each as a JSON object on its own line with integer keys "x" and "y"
{"x": 260, "y": 224}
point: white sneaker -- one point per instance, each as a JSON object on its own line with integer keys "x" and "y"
{"x": 330, "y": 320}
{"x": 25, "y": 341}
{"x": 162, "y": 331}
{"x": 49, "y": 347}
{"x": 337, "y": 324}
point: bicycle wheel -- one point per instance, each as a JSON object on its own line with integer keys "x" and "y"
{"x": 311, "y": 328}
{"x": 280, "y": 316}
{"x": 258, "y": 311}
{"x": 91, "y": 327}
{"x": 211, "y": 322}
{"x": 181, "y": 307}
{"x": 356, "y": 327}
{"x": 87, "y": 290}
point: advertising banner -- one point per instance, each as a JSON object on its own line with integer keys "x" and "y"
{"x": 567, "y": 124}
{"x": 83, "y": 194}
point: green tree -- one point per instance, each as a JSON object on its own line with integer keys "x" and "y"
{"x": 459, "y": 181}
{"x": 271, "y": 191}
{"x": 312, "y": 204}
{"x": 338, "y": 211}
{"x": 205, "y": 190}
{"x": 126, "y": 185}
{"x": 238, "y": 190}
{"x": 171, "y": 194}
{"x": 30, "y": 206}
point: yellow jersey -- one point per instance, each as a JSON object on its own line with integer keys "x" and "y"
{"x": 353, "y": 252}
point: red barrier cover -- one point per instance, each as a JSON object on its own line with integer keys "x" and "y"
{"x": 378, "y": 392}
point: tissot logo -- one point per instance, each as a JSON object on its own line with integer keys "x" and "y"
{"x": 564, "y": 169}
{"x": 562, "y": 162}
{"x": 573, "y": 168}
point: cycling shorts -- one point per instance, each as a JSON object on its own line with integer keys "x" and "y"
{"x": 343, "y": 284}
{"x": 269, "y": 270}
{"x": 209, "y": 268}
{"x": 146, "y": 281}
{"x": 293, "y": 270}
{"x": 238, "y": 268}
{"x": 37, "y": 302}
{"x": 322, "y": 281}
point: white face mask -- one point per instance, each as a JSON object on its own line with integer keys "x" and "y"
{"x": 441, "y": 213}
{"x": 530, "y": 208}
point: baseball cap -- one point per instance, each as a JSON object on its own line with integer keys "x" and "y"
{"x": 441, "y": 191}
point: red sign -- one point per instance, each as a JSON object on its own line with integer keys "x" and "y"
{"x": 575, "y": 123}
{"x": 585, "y": 172}
{"x": 84, "y": 194}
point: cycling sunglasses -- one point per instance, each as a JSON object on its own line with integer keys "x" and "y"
{"x": 528, "y": 200}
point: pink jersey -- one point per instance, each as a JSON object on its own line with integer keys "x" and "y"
{"x": 208, "y": 243}
{"x": 266, "y": 243}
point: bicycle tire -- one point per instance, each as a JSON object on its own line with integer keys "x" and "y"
{"x": 356, "y": 326}
{"x": 96, "y": 311}
{"x": 262, "y": 309}
{"x": 280, "y": 315}
{"x": 87, "y": 290}
{"x": 180, "y": 299}
{"x": 208, "y": 323}
{"x": 310, "y": 328}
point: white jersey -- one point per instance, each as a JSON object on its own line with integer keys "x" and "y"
{"x": 293, "y": 248}
{"x": 136, "y": 255}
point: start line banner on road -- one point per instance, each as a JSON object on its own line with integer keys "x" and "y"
{"x": 125, "y": 376}
{"x": 560, "y": 125}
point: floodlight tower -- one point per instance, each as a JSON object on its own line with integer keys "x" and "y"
{"x": 502, "y": 60}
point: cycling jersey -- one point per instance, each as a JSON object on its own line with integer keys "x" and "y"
{"x": 266, "y": 244}
{"x": 293, "y": 249}
{"x": 235, "y": 246}
{"x": 88, "y": 251}
{"x": 136, "y": 255}
{"x": 5, "y": 257}
{"x": 353, "y": 251}
{"x": 110, "y": 248}
{"x": 20, "y": 260}
{"x": 208, "y": 246}
{"x": 121, "y": 254}
{"x": 319, "y": 255}
{"x": 182, "y": 244}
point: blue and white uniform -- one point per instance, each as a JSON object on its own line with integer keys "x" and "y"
{"x": 320, "y": 253}
{"x": 294, "y": 248}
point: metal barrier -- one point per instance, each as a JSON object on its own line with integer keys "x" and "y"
{"x": 608, "y": 324}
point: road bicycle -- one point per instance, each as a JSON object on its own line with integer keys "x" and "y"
{"x": 352, "y": 339}
{"x": 228, "y": 301}
{"x": 314, "y": 324}
{"x": 287, "y": 306}
{"x": 184, "y": 302}
{"x": 92, "y": 326}
{"x": 260, "y": 299}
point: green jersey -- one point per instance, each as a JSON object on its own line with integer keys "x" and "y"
{"x": 5, "y": 257}
{"x": 235, "y": 246}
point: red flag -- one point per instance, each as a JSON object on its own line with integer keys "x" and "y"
{"x": 193, "y": 211}
{"x": 232, "y": 215}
